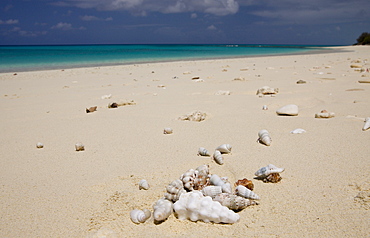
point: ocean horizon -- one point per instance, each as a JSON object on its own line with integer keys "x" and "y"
{"x": 48, "y": 57}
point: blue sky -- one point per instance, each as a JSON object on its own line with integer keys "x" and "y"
{"x": 313, "y": 22}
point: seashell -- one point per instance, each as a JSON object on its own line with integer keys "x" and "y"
{"x": 195, "y": 77}
{"x": 195, "y": 207}
{"x": 79, "y": 146}
{"x": 167, "y": 130}
{"x": 212, "y": 191}
{"x": 202, "y": 178}
{"x": 195, "y": 116}
{"x": 301, "y": 81}
{"x": 265, "y": 90}
{"x": 188, "y": 179}
{"x": 224, "y": 148}
{"x": 298, "y": 131}
{"x": 324, "y": 114}
{"x": 233, "y": 202}
{"x": 203, "y": 152}
{"x": 143, "y": 184}
{"x": 245, "y": 192}
{"x": 140, "y": 216}
{"x": 225, "y": 185}
{"x": 269, "y": 169}
{"x": 174, "y": 190}
{"x": 264, "y": 137}
{"x": 39, "y": 145}
{"x": 162, "y": 209}
{"x": 217, "y": 156}
{"x": 246, "y": 183}
{"x": 272, "y": 178}
{"x": 264, "y": 107}
{"x": 367, "y": 124}
{"x": 112, "y": 105}
{"x": 108, "y": 96}
{"x": 288, "y": 110}
{"x": 91, "y": 109}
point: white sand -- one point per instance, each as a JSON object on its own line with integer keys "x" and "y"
{"x": 58, "y": 192}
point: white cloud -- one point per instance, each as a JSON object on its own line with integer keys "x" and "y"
{"x": 62, "y": 26}
{"x": 9, "y": 22}
{"x": 94, "y": 18}
{"x": 141, "y": 7}
{"x": 211, "y": 27}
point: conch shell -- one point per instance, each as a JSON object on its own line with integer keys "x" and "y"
{"x": 143, "y": 184}
{"x": 324, "y": 114}
{"x": 79, "y": 146}
{"x": 162, "y": 209}
{"x": 224, "y": 148}
{"x": 195, "y": 206}
{"x": 140, "y": 216}
{"x": 174, "y": 190}
{"x": 233, "y": 202}
{"x": 246, "y": 183}
{"x": 367, "y": 124}
{"x": 203, "y": 152}
{"x": 217, "y": 156}
{"x": 245, "y": 192}
{"x": 264, "y": 137}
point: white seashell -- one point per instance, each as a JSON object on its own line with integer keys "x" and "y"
{"x": 245, "y": 192}
{"x": 188, "y": 179}
{"x": 217, "y": 156}
{"x": 265, "y": 90}
{"x": 212, "y": 191}
{"x": 174, "y": 190}
{"x": 367, "y": 124}
{"x": 39, "y": 145}
{"x": 233, "y": 202}
{"x": 195, "y": 206}
{"x": 224, "y": 148}
{"x": 140, "y": 216}
{"x": 203, "y": 152}
{"x": 264, "y": 137}
{"x": 79, "y": 146}
{"x": 202, "y": 178}
{"x": 269, "y": 169}
{"x": 162, "y": 209}
{"x": 324, "y": 114}
{"x": 167, "y": 130}
{"x": 264, "y": 107}
{"x": 288, "y": 110}
{"x": 298, "y": 131}
{"x": 225, "y": 185}
{"x": 106, "y": 96}
{"x": 143, "y": 184}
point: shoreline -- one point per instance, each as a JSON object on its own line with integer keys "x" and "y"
{"x": 329, "y": 49}
{"x": 56, "y": 191}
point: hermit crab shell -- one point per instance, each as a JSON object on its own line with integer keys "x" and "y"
{"x": 162, "y": 209}
{"x": 143, "y": 184}
{"x": 203, "y": 152}
{"x": 245, "y": 182}
{"x": 224, "y": 148}
{"x": 288, "y": 110}
{"x": 245, "y": 192}
{"x": 39, "y": 145}
{"x": 79, "y": 146}
{"x": 367, "y": 124}
{"x": 201, "y": 177}
{"x": 217, "y": 156}
{"x": 174, "y": 190}
{"x": 233, "y": 202}
{"x": 269, "y": 169}
{"x": 140, "y": 216}
{"x": 264, "y": 137}
{"x": 212, "y": 191}
{"x": 167, "y": 130}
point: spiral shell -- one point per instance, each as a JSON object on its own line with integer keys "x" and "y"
{"x": 224, "y": 148}
{"x": 203, "y": 152}
{"x": 245, "y": 192}
{"x": 212, "y": 191}
{"x": 167, "y": 130}
{"x": 143, "y": 184}
{"x": 201, "y": 177}
{"x": 39, "y": 145}
{"x": 367, "y": 124}
{"x": 217, "y": 156}
{"x": 246, "y": 183}
{"x": 79, "y": 146}
{"x": 162, "y": 209}
{"x": 233, "y": 202}
{"x": 188, "y": 179}
{"x": 174, "y": 190}
{"x": 225, "y": 185}
{"x": 140, "y": 216}
{"x": 269, "y": 169}
{"x": 264, "y": 137}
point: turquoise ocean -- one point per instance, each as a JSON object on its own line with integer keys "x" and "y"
{"x": 30, "y": 58}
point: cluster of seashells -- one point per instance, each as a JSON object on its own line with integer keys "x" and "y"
{"x": 198, "y": 195}
{"x": 217, "y": 155}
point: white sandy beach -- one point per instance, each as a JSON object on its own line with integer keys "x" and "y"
{"x": 59, "y": 192}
